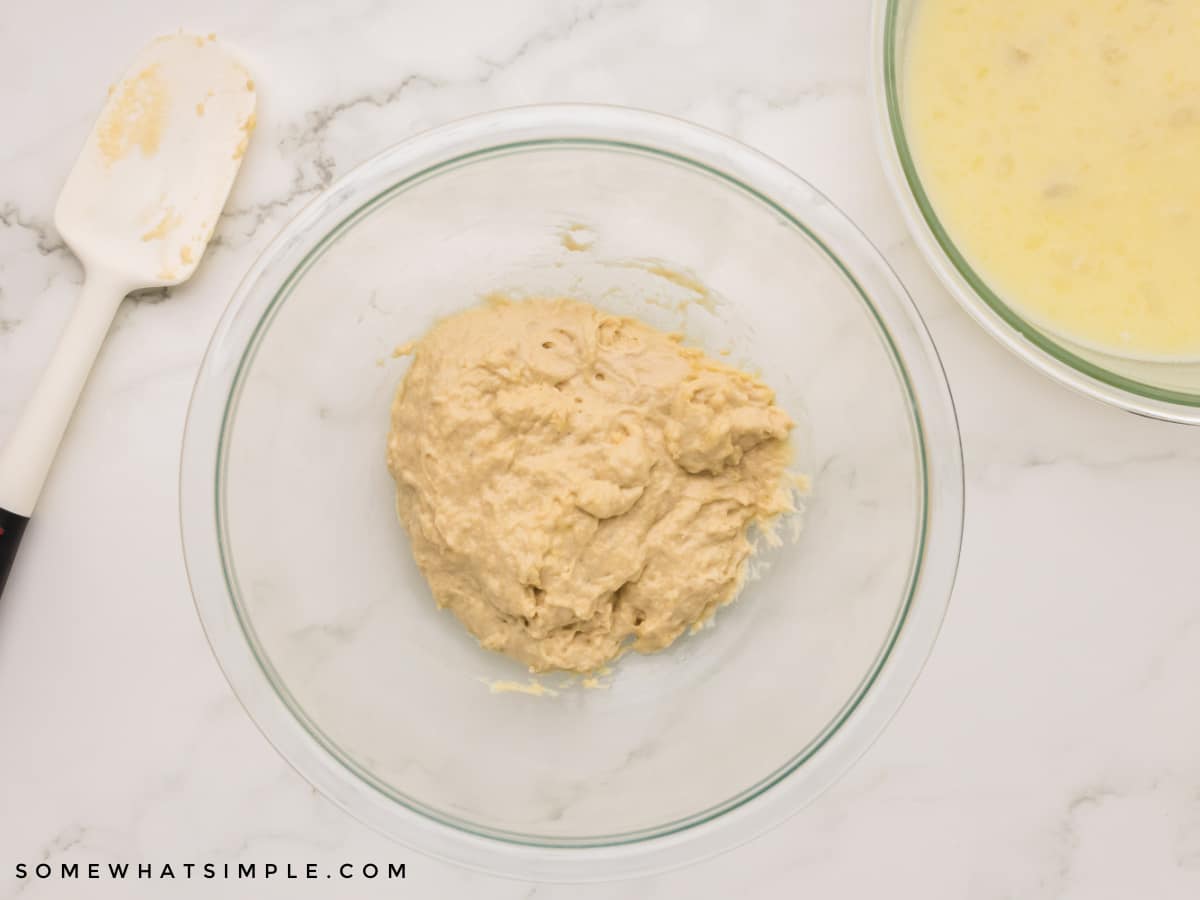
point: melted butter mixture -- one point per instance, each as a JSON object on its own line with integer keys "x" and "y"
{"x": 1059, "y": 142}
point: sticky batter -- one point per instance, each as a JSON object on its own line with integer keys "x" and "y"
{"x": 576, "y": 484}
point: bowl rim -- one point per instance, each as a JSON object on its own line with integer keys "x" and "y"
{"x": 877, "y": 698}
{"x": 1033, "y": 345}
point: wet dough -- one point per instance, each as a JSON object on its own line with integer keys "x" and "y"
{"x": 576, "y": 483}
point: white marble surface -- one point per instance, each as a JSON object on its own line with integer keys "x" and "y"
{"x": 1050, "y": 750}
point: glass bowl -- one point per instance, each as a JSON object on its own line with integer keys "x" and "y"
{"x": 325, "y": 628}
{"x": 1161, "y": 390}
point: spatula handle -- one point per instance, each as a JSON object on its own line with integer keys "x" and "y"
{"x": 26, "y": 457}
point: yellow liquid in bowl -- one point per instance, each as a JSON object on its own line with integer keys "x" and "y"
{"x": 1059, "y": 143}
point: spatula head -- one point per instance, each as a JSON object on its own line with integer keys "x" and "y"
{"x": 145, "y": 193}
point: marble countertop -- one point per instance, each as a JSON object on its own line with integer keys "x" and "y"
{"x": 1051, "y": 749}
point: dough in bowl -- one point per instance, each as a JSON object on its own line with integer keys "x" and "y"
{"x": 576, "y": 484}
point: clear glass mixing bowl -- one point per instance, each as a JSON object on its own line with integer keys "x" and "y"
{"x": 325, "y": 628}
{"x": 1161, "y": 390}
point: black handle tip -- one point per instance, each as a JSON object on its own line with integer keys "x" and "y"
{"x": 12, "y": 527}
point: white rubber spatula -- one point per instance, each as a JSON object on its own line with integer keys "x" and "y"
{"x": 138, "y": 210}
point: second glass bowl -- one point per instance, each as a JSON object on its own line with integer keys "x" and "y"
{"x": 1168, "y": 391}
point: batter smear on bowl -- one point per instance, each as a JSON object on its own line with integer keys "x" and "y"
{"x": 577, "y": 484}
